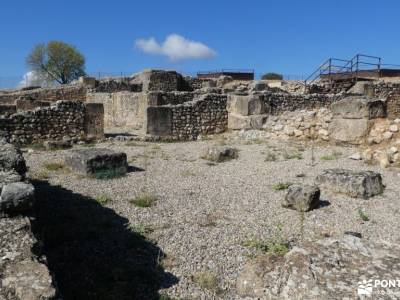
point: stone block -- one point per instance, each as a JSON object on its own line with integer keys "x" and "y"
{"x": 246, "y": 105}
{"x": 220, "y": 153}
{"x": 94, "y": 120}
{"x": 97, "y": 161}
{"x": 16, "y": 197}
{"x": 359, "y": 108}
{"x": 159, "y": 121}
{"x": 11, "y": 159}
{"x": 238, "y": 122}
{"x": 364, "y": 184}
{"x": 302, "y": 198}
{"x": 89, "y": 82}
{"x": 352, "y": 131}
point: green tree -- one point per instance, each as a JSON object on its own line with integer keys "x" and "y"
{"x": 57, "y": 61}
{"x": 272, "y": 76}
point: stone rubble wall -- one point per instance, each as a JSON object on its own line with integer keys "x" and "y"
{"x": 391, "y": 93}
{"x": 205, "y": 115}
{"x": 67, "y": 92}
{"x": 62, "y": 119}
{"x": 7, "y": 109}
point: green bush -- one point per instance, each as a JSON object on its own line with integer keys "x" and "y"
{"x": 272, "y": 76}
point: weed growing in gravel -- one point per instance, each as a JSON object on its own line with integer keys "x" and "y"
{"x": 294, "y": 154}
{"x": 37, "y": 147}
{"x": 276, "y": 245}
{"x": 144, "y": 200}
{"x": 333, "y": 156}
{"x": 54, "y": 166}
{"x": 142, "y": 229}
{"x": 271, "y": 156}
{"x": 207, "y": 280}
{"x": 363, "y": 216}
{"x": 103, "y": 199}
{"x": 188, "y": 173}
{"x": 281, "y": 186}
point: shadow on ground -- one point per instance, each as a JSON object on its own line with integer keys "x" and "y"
{"x": 91, "y": 251}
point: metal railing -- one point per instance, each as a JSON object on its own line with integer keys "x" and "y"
{"x": 349, "y": 69}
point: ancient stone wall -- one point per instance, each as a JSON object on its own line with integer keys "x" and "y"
{"x": 62, "y": 119}
{"x": 390, "y": 92}
{"x": 282, "y": 102}
{"x": 159, "y": 80}
{"x": 112, "y": 85}
{"x": 204, "y": 115}
{"x": 7, "y": 109}
{"x": 68, "y": 92}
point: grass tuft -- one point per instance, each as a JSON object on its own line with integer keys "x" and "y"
{"x": 363, "y": 216}
{"x": 206, "y": 280}
{"x": 102, "y": 199}
{"x": 109, "y": 174}
{"x": 281, "y": 186}
{"x": 144, "y": 200}
{"x": 54, "y": 166}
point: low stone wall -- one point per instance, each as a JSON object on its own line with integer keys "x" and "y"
{"x": 68, "y": 92}
{"x": 112, "y": 85}
{"x": 391, "y": 93}
{"x": 62, "y": 119}
{"x": 283, "y": 102}
{"x": 205, "y": 115}
{"x": 7, "y": 110}
{"x": 24, "y": 105}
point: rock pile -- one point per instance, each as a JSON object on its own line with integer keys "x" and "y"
{"x": 23, "y": 276}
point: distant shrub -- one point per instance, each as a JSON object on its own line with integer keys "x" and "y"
{"x": 272, "y": 76}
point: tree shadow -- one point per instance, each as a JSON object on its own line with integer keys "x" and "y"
{"x": 91, "y": 251}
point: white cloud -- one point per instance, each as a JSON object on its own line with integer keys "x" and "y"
{"x": 32, "y": 78}
{"x": 176, "y": 48}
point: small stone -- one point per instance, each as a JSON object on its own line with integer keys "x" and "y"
{"x": 388, "y": 135}
{"x": 356, "y": 156}
{"x": 393, "y": 128}
{"x": 220, "y": 153}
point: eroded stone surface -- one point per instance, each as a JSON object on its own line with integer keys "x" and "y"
{"x": 302, "y": 197}
{"x": 355, "y": 184}
{"x": 326, "y": 269}
{"x": 92, "y": 161}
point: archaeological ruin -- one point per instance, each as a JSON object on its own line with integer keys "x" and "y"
{"x": 211, "y": 187}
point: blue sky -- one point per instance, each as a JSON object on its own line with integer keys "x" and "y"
{"x": 290, "y": 37}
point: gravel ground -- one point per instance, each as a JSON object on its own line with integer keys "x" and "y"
{"x": 205, "y": 212}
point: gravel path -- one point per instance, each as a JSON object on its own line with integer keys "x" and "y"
{"x": 206, "y": 212}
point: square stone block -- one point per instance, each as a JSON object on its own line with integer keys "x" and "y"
{"x": 359, "y": 108}
{"x": 364, "y": 184}
{"x": 97, "y": 161}
{"x": 246, "y": 105}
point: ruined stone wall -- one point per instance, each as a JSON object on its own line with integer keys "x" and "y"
{"x": 390, "y": 92}
{"x": 283, "y": 102}
{"x": 7, "y": 109}
{"x": 112, "y": 85}
{"x": 206, "y": 115}
{"x": 175, "y": 98}
{"x": 68, "y": 92}
{"x": 64, "y": 118}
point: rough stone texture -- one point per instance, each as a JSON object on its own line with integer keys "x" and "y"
{"x": 65, "y": 92}
{"x": 159, "y": 80}
{"x": 359, "y": 108}
{"x": 16, "y": 197}
{"x": 95, "y": 161}
{"x": 64, "y": 118}
{"x": 23, "y": 276}
{"x": 11, "y": 158}
{"x": 355, "y": 184}
{"x": 220, "y": 153}
{"x": 302, "y": 198}
{"x": 238, "y": 122}
{"x": 246, "y": 105}
{"x": 351, "y": 131}
{"x": 159, "y": 121}
{"x": 326, "y": 269}
{"x": 94, "y": 121}
{"x": 206, "y": 114}
{"x": 6, "y": 110}
{"x": 25, "y": 104}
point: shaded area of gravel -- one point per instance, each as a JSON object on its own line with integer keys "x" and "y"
{"x": 205, "y": 212}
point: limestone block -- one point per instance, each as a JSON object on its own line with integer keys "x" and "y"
{"x": 238, "y": 122}
{"x": 159, "y": 121}
{"x": 97, "y": 161}
{"x": 246, "y": 105}
{"x": 16, "y": 197}
{"x": 355, "y": 184}
{"x": 351, "y": 131}
{"x": 220, "y": 153}
{"x": 359, "y": 108}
